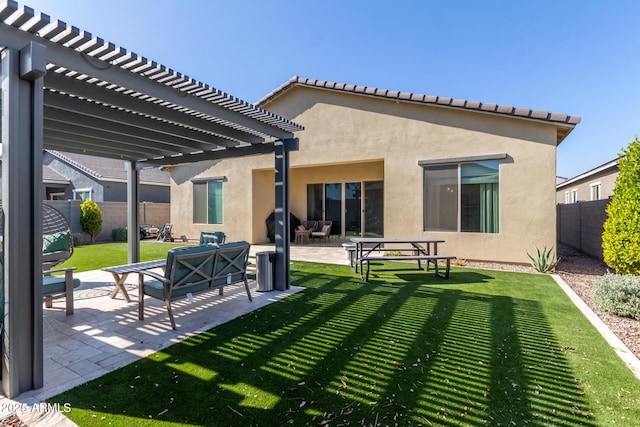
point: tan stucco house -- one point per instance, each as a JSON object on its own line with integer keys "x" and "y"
{"x": 379, "y": 162}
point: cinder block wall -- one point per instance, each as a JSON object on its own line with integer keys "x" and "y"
{"x": 580, "y": 226}
{"x": 114, "y": 215}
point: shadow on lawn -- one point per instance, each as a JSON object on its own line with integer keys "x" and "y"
{"x": 344, "y": 352}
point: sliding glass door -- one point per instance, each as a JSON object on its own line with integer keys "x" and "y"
{"x": 333, "y": 206}
{"x": 315, "y": 202}
{"x": 354, "y": 208}
{"x": 373, "y": 209}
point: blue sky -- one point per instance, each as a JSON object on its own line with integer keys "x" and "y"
{"x": 575, "y": 57}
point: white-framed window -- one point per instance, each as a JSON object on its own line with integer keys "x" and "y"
{"x": 567, "y": 197}
{"x": 207, "y": 201}
{"x": 574, "y": 195}
{"x": 56, "y": 196}
{"x": 82, "y": 194}
{"x": 596, "y": 190}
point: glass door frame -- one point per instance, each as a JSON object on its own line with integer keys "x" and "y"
{"x": 342, "y": 232}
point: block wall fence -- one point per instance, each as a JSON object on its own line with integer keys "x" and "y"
{"x": 580, "y": 226}
{"x": 114, "y": 215}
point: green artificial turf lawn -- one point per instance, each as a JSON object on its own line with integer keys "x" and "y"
{"x": 482, "y": 348}
{"x": 97, "y": 256}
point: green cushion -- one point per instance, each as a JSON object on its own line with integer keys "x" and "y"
{"x": 188, "y": 250}
{"x": 155, "y": 289}
{"x": 56, "y": 285}
{"x": 55, "y": 242}
{"x": 224, "y": 268}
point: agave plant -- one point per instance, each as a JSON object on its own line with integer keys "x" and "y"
{"x": 544, "y": 261}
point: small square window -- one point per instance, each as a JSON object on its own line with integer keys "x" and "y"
{"x": 574, "y": 196}
{"x": 595, "y": 190}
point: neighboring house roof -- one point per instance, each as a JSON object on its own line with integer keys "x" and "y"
{"x": 564, "y": 122}
{"x": 603, "y": 167}
{"x": 110, "y": 169}
{"x": 49, "y": 176}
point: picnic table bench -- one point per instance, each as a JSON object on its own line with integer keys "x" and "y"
{"x": 369, "y": 249}
{"x": 427, "y": 258}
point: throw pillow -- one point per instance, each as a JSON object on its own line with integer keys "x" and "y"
{"x": 55, "y": 242}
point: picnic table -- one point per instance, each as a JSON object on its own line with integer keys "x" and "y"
{"x": 121, "y": 272}
{"x": 421, "y": 249}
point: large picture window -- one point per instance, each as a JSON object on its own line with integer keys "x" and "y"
{"x": 462, "y": 197}
{"x": 207, "y": 202}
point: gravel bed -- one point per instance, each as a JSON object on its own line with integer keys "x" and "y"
{"x": 12, "y": 421}
{"x": 580, "y": 272}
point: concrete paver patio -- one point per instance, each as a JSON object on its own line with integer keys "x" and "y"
{"x": 105, "y": 334}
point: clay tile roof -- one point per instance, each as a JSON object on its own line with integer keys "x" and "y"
{"x": 564, "y": 122}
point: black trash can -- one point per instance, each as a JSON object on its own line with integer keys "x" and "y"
{"x": 265, "y": 271}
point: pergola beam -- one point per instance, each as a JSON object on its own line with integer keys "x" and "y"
{"x": 247, "y": 150}
{"x": 127, "y": 102}
{"x": 90, "y": 66}
{"x": 117, "y": 115}
{"x": 155, "y": 148}
{"x": 127, "y": 132}
{"x": 74, "y": 143}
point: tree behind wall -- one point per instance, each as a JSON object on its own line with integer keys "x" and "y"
{"x": 621, "y": 236}
{"x": 90, "y": 218}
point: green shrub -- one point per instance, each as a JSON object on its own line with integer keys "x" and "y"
{"x": 621, "y": 239}
{"x": 544, "y": 261}
{"x": 617, "y": 294}
{"x": 77, "y": 239}
{"x": 90, "y": 218}
{"x": 119, "y": 234}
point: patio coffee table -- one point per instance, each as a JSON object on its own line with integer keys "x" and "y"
{"x": 302, "y": 236}
{"x": 121, "y": 272}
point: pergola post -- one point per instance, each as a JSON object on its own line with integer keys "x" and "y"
{"x": 133, "y": 212}
{"x": 283, "y": 230}
{"x": 22, "y": 120}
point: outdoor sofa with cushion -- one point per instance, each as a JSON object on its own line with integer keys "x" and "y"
{"x": 195, "y": 269}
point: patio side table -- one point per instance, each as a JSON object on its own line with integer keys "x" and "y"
{"x": 302, "y": 236}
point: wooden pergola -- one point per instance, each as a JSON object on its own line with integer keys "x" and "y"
{"x": 64, "y": 89}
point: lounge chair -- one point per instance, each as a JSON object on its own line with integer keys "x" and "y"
{"x": 57, "y": 239}
{"x": 217, "y": 237}
{"x": 59, "y": 287}
{"x": 57, "y": 247}
{"x": 323, "y": 233}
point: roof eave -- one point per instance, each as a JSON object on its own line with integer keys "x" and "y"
{"x": 563, "y": 122}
